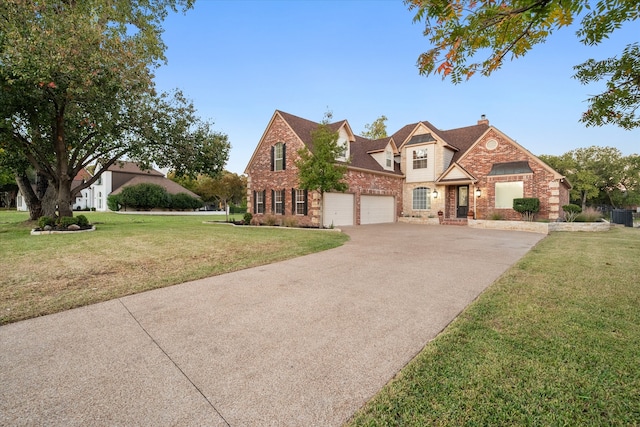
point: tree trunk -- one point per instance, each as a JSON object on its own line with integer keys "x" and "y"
{"x": 64, "y": 197}
{"x": 49, "y": 202}
{"x": 584, "y": 200}
{"x": 30, "y": 197}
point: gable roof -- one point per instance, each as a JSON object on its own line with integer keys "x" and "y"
{"x": 132, "y": 168}
{"x": 172, "y": 187}
{"x": 463, "y": 138}
{"x": 359, "y": 147}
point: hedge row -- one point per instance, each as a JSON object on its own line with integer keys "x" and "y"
{"x": 151, "y": 196}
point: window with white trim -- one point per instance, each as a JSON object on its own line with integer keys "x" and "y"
{"x": 421, "y": 198}
{"x": 389, "y": 155}
{"x": 278, "y": 156}
{"x": 420, "y": 158}
{"x": 300, "y": 202}
{"x": 506, "y": 192}
{"x": 278, "y": 201}
{"x": 258, "y": 197}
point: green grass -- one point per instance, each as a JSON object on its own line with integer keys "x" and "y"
{"x": 555, "y": 341}
{"x": 129, "y": 254}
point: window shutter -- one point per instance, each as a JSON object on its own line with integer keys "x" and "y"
{"x": 306, "y": 198}
{"x": 273, "y": 201}
{"x": 284, "y": 158}
{"x": 273, "y": 163}
{"x": 293, "y": 201}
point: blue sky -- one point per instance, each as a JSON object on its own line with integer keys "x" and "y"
{"x": 241, "y": 60}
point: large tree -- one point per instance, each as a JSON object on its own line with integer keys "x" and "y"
{"x": 475, "y": 36}
{"x": 76, "y": 89}
{"x": 600, "y": 175}
{"x": 318, "y": 169}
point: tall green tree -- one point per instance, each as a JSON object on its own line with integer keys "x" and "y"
{"x": 377, "y": 129}
{"x": 76, "y": 89}
{"x": 318, "y": 169}
{"x": 600, "y": 175}
{"x": 475, "y": 36}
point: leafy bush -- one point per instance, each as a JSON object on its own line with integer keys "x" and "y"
{"x": 183, "y": 201}
{"x": 145, "y": 196}
{"x": 113, "y": 202}
{"x": 43, "y": 221}
{"x": 247, "y": 218}
{"x": 571, "y": 211}
{"x": 82, "y": 221}
{"x": 66, "y": 221}
{"x": 528, "y": 207}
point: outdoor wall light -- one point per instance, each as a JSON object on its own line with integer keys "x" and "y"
{"x": 478, "y": 192}
{"x": 435, "y": 194}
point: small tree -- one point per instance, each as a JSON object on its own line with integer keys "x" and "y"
{"x": 318, "y": 170}
{"x": 528, "y": 207}
{"x": 377, "y": 129}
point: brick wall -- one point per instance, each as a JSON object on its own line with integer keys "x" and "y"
{"x": 541, "y": 183}
{"x": 260, "y": 177}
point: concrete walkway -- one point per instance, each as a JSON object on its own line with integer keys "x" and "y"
{"x": 301, "y": 342}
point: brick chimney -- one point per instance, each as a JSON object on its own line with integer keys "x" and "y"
{"x": 483, "y": 120}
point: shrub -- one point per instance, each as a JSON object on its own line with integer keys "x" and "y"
{"x": 82, "y": 221}
{"x": 495, "y": 216}
{"x": 184, "y": 201}
{"x": 571, "y": 211}
{"x": 589, "y": 215}
{"x": 113, "y": 202}
{"x": 145, "y": 196}
{"x": 66, "y": 221}
{"x": 247, "y": 218}
{"x": 43, "y": 221}
{"x": 290, "y": 221}
{"x": 270, "y": 220}
{"x": 528, "y": 207}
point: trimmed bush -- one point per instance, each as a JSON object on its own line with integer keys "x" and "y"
{"x": 66, "y": 221}
{"x": 571, "y": 212}
{"x": 183, "y": 201}
{"x": 145, "y": 196}
{"x": 43, "y": 221}
{"x": 82, "y": 221}
{"x": 247, "y": 218}
{"x": 113, "y": 203}
{"x": 528, "y": 207}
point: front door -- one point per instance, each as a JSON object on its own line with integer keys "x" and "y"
{"x": 463, "y": 201}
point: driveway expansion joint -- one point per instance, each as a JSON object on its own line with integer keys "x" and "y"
{"x": 184, "y": 374}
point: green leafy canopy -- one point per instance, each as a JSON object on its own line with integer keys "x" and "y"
{"x": 475, "y": 36}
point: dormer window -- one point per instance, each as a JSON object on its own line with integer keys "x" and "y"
{"x": 278, "y": 157}
{"x": 389, "y": 156}
{"x": 420, "y": 158}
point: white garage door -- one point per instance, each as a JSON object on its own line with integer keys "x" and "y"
{"x": 338, "y": 209}
{"x": 377, "y": 209}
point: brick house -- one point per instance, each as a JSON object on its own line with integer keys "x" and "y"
{"x": 418, "y": 171}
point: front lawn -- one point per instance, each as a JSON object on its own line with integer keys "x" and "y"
{"x": 128, "y": 254}
{"x": 555, "y": 341}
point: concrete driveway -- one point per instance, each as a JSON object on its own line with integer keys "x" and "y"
{"x": 301, "y": 342}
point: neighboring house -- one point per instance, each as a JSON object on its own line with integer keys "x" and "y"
{"x": 418, "y": 171}
{"x": 125, "y": 174}
{"x": 84, "y": 199}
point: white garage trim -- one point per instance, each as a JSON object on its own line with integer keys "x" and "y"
{"x": 377, "y": 209}
{"x": 338, "y": 209}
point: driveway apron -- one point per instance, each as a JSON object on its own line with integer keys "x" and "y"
{"x": 300, "y": 342}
